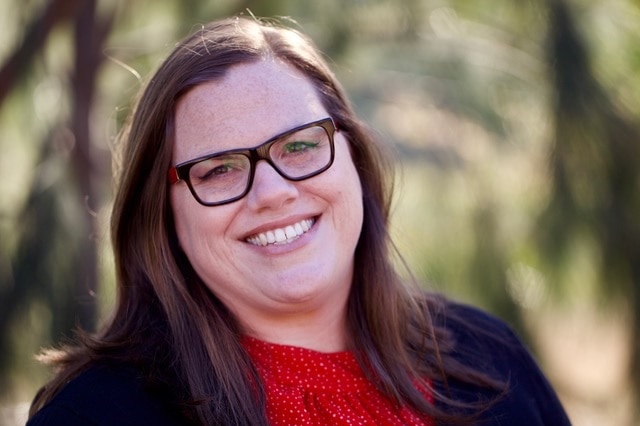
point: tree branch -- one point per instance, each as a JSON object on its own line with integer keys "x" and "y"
{"x": 56, "y": 12}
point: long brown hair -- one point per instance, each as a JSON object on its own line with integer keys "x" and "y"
{"x": 169, "y": 323}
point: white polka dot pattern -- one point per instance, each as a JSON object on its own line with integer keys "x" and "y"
{"x": 306, "y": 387}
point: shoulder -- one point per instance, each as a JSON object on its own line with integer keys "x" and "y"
{"x": 474, "y": 331}
{"x": 488, "y": 345}
{"x": 106, "y": 395}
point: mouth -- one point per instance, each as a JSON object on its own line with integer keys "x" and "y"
{"x": 280, "y": 236}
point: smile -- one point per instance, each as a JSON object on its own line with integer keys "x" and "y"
{"x": 281, "y": 235}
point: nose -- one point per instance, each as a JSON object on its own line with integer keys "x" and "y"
{"x": 270, "y": 190}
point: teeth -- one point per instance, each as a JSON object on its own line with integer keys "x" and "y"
{"x": 281, "y": 235}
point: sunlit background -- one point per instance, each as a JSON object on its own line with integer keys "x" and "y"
{"x": 515, "y": 123}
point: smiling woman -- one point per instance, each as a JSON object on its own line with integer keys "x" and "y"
{"x": 253, "y": 270}
{"x": 309, "y": 277}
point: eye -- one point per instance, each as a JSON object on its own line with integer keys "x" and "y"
{"x": 217, "y": 168}
{"x": 216, "y": 171}
{"x": 299, "y": 146}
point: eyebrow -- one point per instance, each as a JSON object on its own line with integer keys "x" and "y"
{"x": 265, "y": 141}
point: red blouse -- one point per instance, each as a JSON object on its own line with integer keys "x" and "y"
{"x": 306, "y": 387}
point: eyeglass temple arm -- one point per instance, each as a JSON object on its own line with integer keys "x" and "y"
{"x": 172, "y": 175}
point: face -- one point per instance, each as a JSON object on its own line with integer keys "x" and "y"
{"x": 303, "y": 274}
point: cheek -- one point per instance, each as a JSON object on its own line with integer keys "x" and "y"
{"x": 199, "y": 227}
{"x": 356, "y": 208}
{"x": 350, "y": 199}
{"x": 180, "y": 217}
{"x": 192, "y": 222}
{"x": 348, "y": 178}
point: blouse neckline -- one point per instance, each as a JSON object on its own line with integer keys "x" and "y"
{"x": 308, "y": 387}
{"x": 293, "y": 366}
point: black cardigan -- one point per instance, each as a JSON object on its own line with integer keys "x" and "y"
{"x": 108, "y": 396}
{"x": 489, "y": 345}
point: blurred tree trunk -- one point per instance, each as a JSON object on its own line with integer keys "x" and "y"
{"x": 596, "y": 175}
{"x": 55, "y": 13}
{"x": 55, "y": 262}
{"x": 90, "y": 34}
{"x": 488, "y": 269}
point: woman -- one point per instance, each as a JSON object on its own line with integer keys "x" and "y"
{"x": 253, "y": 272}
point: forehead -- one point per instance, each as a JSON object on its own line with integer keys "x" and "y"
{"x": 250, "y": 104}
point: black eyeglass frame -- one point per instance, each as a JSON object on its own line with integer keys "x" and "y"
{"x": 180, "y": 172}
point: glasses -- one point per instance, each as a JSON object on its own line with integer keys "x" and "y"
{"x": 223, "y": 177}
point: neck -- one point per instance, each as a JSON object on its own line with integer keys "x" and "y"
{"x": 319, "y": 330}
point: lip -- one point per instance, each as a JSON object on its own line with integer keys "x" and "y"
{"x": 282, "y": 229}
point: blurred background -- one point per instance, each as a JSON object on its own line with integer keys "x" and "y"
{"x": 515, "y": 123}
